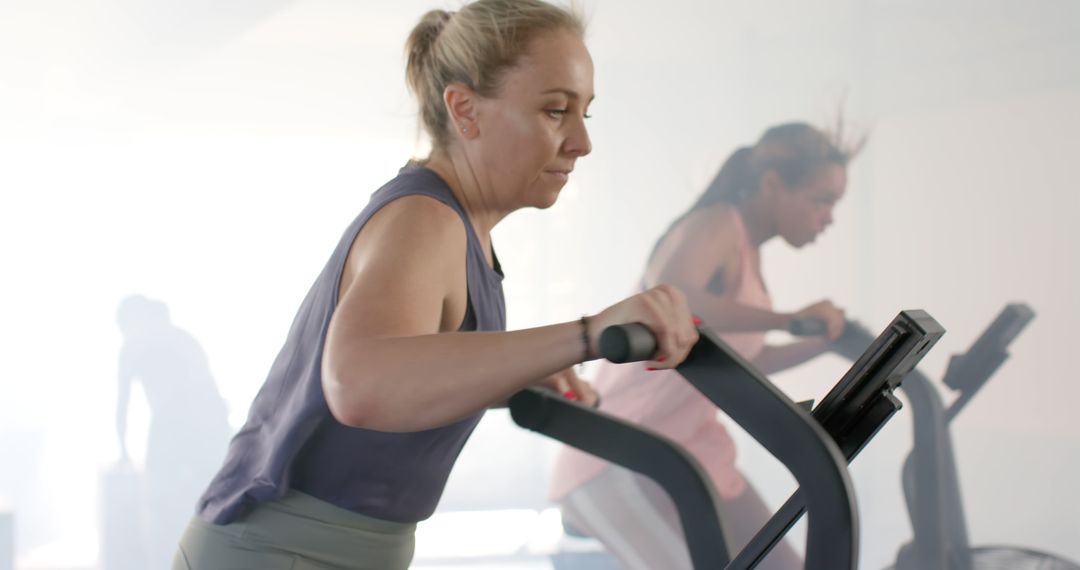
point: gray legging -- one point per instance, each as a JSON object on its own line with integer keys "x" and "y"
{"x": 297, "y": 532}
{"x": 638, "y": 524}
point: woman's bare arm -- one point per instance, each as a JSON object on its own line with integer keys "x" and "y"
{"x": 391, "y": 365}
{"x": 702, "y": 260}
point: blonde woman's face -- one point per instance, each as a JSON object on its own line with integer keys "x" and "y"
{"x": 533, "y": 131}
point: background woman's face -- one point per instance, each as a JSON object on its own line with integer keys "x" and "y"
{"x": 805, "y": 210}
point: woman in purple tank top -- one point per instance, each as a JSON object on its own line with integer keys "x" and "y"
{"x": 399, "y": 346}
{"x": 786, "y": 185}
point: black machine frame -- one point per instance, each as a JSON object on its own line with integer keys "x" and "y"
{"x": 815, "y": 453}
{"x": 929, "y": 476}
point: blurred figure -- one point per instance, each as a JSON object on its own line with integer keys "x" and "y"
{"x": 189, "y": 428}
{"x": 785, "y": 185}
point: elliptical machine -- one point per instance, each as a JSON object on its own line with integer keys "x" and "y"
{"x": 814, "y": 446}
{"x": 930, "y": 481}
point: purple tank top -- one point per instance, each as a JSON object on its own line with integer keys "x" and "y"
{"x": 291, "y": 440}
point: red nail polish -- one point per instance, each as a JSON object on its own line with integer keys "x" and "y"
{"x": 697, "y": 321}
{"x": 661, "y": 358}
{"x": 570, "y": 395}
{"x": 651, "y": 369}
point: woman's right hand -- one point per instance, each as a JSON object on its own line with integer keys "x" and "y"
{"x": 663, "y": 309}
{"x": 834, "y": 318}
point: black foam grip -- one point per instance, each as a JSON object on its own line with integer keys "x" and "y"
{"x": 808, "y": 326}
{"x": 632, "y": 342}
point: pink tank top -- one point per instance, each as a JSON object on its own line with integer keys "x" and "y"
{"x": 664, "y": 402}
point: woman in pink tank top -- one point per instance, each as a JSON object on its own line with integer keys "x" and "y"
{"x": 785, "y": 185}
